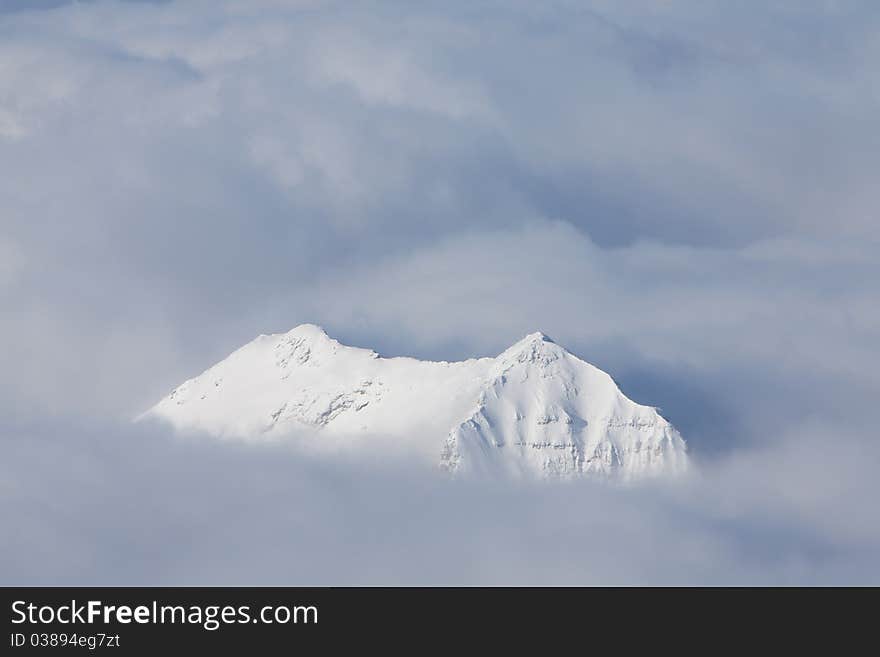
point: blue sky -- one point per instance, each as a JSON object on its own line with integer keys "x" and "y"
{"x": 683, "y": 193}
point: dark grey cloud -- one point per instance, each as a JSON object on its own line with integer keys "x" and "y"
{"x": 682, "y": 192}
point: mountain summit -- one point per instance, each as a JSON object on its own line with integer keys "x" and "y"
{"x": 536, "y": 409}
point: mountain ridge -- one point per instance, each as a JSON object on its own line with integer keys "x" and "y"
{"x": 534, "y": 410}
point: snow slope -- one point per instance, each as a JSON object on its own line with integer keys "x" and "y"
{"x": 534, "y": 410}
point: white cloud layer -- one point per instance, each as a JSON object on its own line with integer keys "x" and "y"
{"x": 684, "y": 193}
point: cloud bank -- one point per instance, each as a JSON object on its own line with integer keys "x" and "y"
{"x": 682, "y": 193}
{"x": 141, "y": 507}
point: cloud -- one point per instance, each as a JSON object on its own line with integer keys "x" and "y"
{"x": 134, "y": 506}
{"x": 746, "y": 327}
{"x": 12, "y": 261}
{"x": 385, "y": 76}
{"x": 681, "y": 192}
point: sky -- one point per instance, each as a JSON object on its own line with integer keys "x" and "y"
{"x": 683, "y": 193}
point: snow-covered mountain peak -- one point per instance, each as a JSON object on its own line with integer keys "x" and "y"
{"x": 537, "y": 336}
{"x": 309, "y": 344}
{"x": 533, "y": 343}
{"x": 308, "y": 336}
{"x": 536, "y": 409}
{"x": 533, "y": 349}
{"x": 309, "y": 332}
